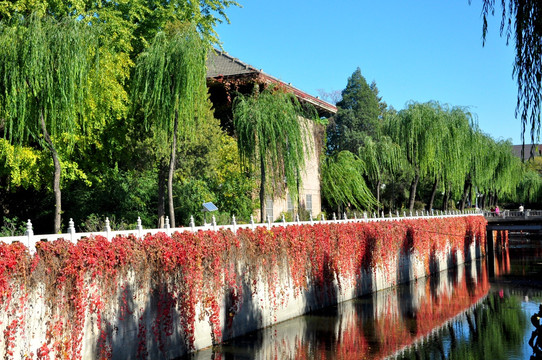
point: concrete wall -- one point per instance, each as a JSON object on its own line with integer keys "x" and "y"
{"x": 127, "y": 325}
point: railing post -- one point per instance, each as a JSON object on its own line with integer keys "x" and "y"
{"x": 390, "y": 214}
{"x": 214, "y": 223}
{"x": 283, "y": 219}
{"x": 234, "y": 224}
{"x": 252, "y": 222}
{"x": 29, "y": 233}
{"x": 296, "y": 217}
{"x": 382, "y": 214}
{"x": 139, "y": 227}
{"x": 107, "y": 228}
{"x": 167, "y": 226}
{"x": 365, "y": 214}
{"x": 269, "y": 221}
{"x": 71, "y": 229}
{"x": 310, "y": 217}
{"x": 323, "y": 218}
{"x": 334, "y": 217}
{"x": 404, "y": 214}
{"x": 344, "y": 216}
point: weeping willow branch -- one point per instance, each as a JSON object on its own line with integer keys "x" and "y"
{"x": 44, "y": 68}
{"x": 273, "y": 136}
{"x": 170, "y": 88}
{"x": 343, "y": 183}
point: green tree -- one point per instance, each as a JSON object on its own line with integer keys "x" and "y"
{"x": 359, "y": 113}
{"x": 272, "y": 133}
{"x": 343, "y": 184}
{"x": 382, "y": 158}
{"x": 170, "y": 86}
{"x": 44, "y": 68}
{"x": 418, "y": 130}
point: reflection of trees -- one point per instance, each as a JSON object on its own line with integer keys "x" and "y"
{"x": 493, "y": 329}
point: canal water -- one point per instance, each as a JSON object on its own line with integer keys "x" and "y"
{"x": 480, "y": 310}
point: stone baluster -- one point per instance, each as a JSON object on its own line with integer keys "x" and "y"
{"x": 29, "y": 233}
{"x": 234, "y": 224}
{"x": 107, "y": 228}
{"x": 192, "y": 223}
{"x": 139, "y": 227}
{"x": 71, "y": 230}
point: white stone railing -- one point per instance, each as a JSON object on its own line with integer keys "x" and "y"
{"x": 513, "y": 214}
{"x": 30, "y": 239}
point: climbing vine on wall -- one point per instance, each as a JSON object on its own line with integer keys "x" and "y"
{"x": 97, "y": 284}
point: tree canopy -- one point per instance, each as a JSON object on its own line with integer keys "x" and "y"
{"x": 272, "y": 133}
{"x": 169, "y": 84}
{"x": 44, "y": 69}
{"x": 358, "y": 115}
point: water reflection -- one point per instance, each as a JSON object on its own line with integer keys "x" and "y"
{"x": 383, "y": 324}
{"x": 480, "y": 310}
{"x": 535, "y": 342}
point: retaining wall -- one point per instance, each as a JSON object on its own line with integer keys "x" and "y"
{"x": 161, "y": 297}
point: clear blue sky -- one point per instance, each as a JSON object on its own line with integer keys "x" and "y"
{"x": 413, "y": 50}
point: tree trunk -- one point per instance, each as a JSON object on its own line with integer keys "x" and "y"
{"x": 162, "y": 175}
{"x": 56, "y": 177}
{"x": 491, "y": 199}
{"x": 172, "y": 170}
{"x": 445, "y": 198}
{"x": 433, "y": 193}
{"x": 412, "y": 197}
{"x": 378, "y": 196}
{"x": 466, "y": 190}
{"x": 262, "y": 191}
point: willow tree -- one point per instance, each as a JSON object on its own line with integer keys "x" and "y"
{"x": 343, "y": 183}
{"x": 523, "y": 21}
{"x": 382, "y": 158}
{"x": 508, "y": 172}
{"x": 272, "y": 133}
{"x": 418, "y": 129}
{"x": 456, "y": 153}
{"x": 169, "y": 85}
{"x": 44, "y": 65}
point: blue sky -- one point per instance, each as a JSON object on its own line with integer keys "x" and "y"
{"x": 413, "y": 50}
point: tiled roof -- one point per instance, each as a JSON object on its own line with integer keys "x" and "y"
{"x": 221, "y": 64}
{"x": 536, "y": 149}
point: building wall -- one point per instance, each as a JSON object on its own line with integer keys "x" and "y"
{"x": 310, "y": 180}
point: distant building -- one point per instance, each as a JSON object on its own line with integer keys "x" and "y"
{"x": 535, "y": 149}
{"x": 226, "y": 76}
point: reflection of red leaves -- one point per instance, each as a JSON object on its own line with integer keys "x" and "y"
{"x": 187, "y": 269}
